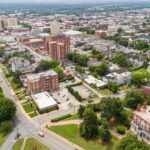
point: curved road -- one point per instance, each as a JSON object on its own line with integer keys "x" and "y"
{"x": 29, "y": 128}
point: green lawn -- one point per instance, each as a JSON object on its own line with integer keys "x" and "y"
{"x": 33, "y": 114}
{"x": 73, "y": 117}
{"x": 3, "y": 138}
{"x": 71, "y": 132}
{"x": 28, "y": 108}
{"x": 25, "y": 102}
{"x": 105, "y": 92}
{"x": 14, "y": 86}
{"x": 21, "y": 95}
{"x": 17, "y": 145}
{"x": 32, "y": 143}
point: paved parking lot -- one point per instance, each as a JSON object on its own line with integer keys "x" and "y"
{"x": 83, "y": 91}
{"x": 64, "y": 98}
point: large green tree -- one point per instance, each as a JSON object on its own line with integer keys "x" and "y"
{"x": 89, "y": 126}
{"x": 114, "y": 108}
{"x": 113, "y": 87}
{"x": 44, "y": 65}
{"x": 78, "y": 58}
{"x": 6, "y": 127}
{"x": 81, "y": 111}
{"x": 134, "y": 98}
{"x": 60, "y": 72}
{"x": 121, "y": 60}
{"x": 7, "y": 109}
{"x": 104, "y": 132}
{"x": 131, "y": 142}
{"x": 138, "y": 79}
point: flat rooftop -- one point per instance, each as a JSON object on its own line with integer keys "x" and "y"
{"x": 44, "y": 100}
{"x": 34, "y": 77}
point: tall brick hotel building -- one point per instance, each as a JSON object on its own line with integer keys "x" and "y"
{"x": 58, "y": 46}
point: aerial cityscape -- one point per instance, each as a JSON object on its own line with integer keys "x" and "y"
{"x": 75, "y": 75}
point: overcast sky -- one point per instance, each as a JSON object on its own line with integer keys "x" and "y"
{"x": 68, "y": 1}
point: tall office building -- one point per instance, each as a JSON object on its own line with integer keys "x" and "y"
{"x": 8, "y": 22}
{"x": 55, "y": 28}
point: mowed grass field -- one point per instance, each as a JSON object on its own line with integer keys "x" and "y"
{"x": 30, "y": 144}
{"x": 71, "y": 132}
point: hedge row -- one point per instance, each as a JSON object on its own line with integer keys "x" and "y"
{"x": 61, "y": 118}
{"x": 75, "y": 94}
{"x": 75, "y": 84}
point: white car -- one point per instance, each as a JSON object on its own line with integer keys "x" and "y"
{"x": 41, "y": 134}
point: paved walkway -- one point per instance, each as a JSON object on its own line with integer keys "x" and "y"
{"x": 24, "y": 142}
{"x": 48, "y": 124}
{"x": 78, "y": 121}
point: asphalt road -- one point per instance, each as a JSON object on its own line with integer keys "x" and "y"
{"x": 30, "y": 128}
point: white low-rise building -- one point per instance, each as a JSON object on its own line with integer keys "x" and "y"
{"x": 93, "y": 81}
{"x": 22, "y": 65}
{"x": 74, "y": 34}
{"x": 117, "y": 78}
{"x": 44, "y": 101}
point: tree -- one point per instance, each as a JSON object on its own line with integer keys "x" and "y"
{"x": 25, "y": 25}
{"x": 7, "y": 109}
{"x": 105, "y": 134}
{"x": 133, "y": 98}
{"x": 102, "y": 69}
{"x": 60, "y": 72}
{"x": 91, "y": 31}
{"x": 80, "y": 69}
{"x": 119, "y": 30}
{"x": 141, "y": 45}
{"x": 121, "y": 60}
{"x": 97, "y": 54}
{"x": 113, "y": 87}
{"x": 113, "y": 108}
{"x": 2, "y": 51}
{"x": 123, "y": 42}
{"x": 1, "y": 92}
{"x": 131, "y": 142}
{"x": 89, "y": 126}
{"x": 138, "y": 79}
{"x": 6, "y": 127}
{"x": 44, "y": 65}
{"x": 81, "y": 111}
{"x": 78, "y": 58}
{"x": 105, "y": 107}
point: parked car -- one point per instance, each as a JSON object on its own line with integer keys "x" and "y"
{"x": 41, "y": 134}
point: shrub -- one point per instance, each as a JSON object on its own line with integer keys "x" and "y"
{"x": 61, "y": 118}
{"x": 120, "y": 129}
{"x": 75, "y": 84}
{"x": 6, "y": 127}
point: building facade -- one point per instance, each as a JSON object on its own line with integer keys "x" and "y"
{"x": 55, "y": 28}
{"x": 44, "y": 81}
{"x": 140, "y": 124}
{"x": 57, "y": 47}
{"x": 8, "y": 22}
